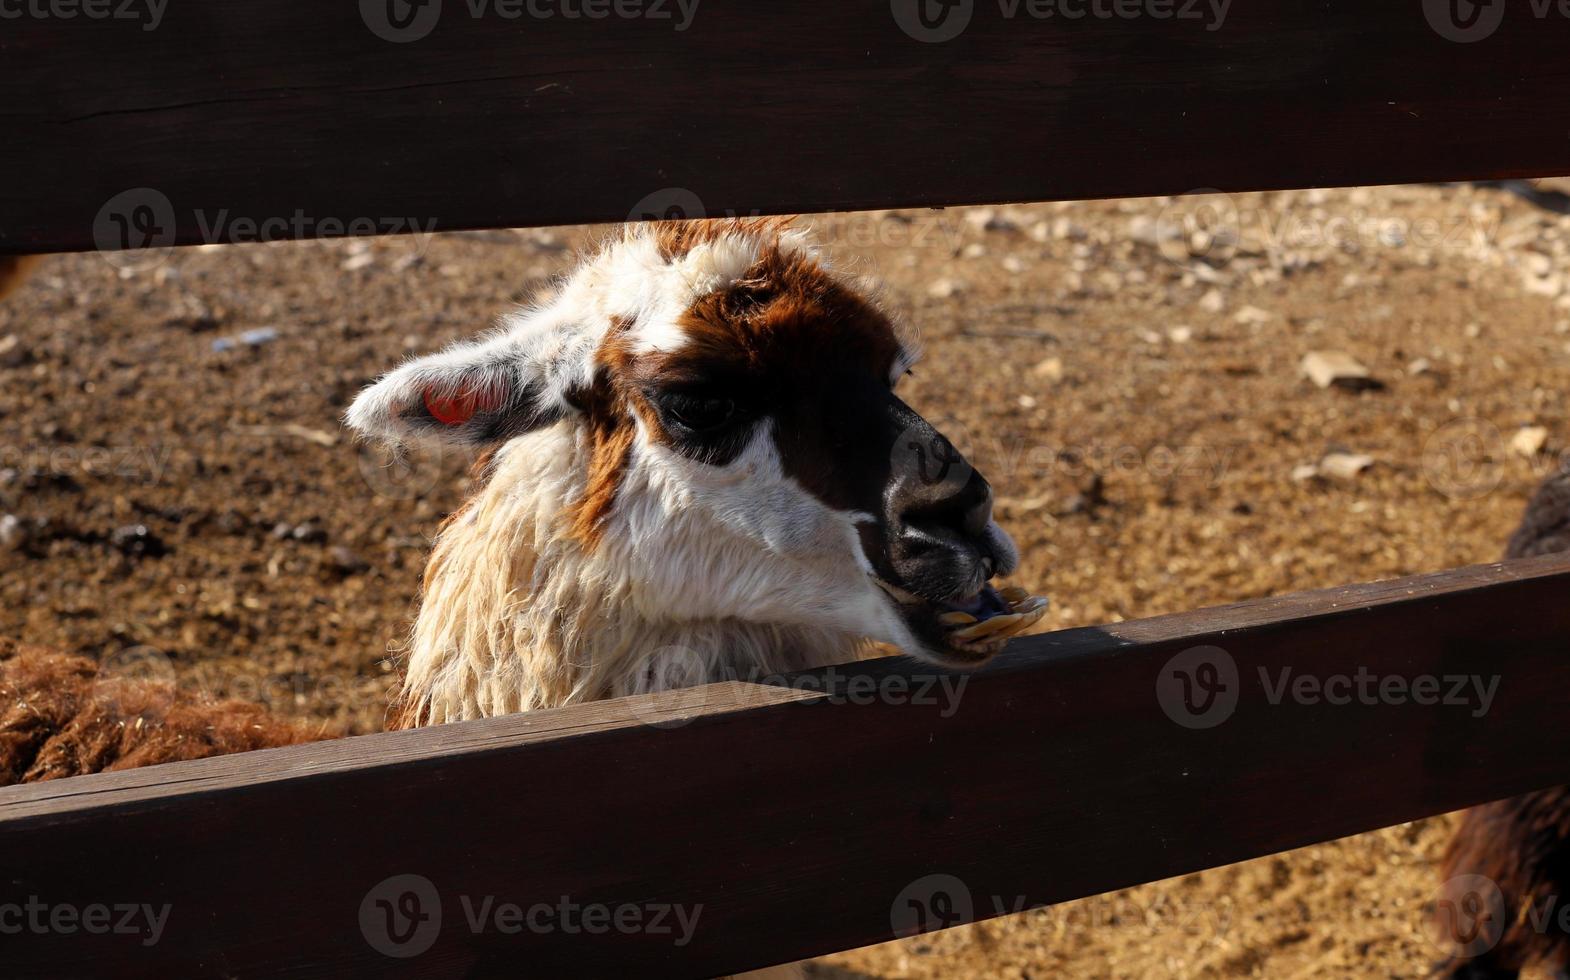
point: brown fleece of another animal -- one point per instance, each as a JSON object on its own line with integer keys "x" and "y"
{"x": 1523, "y": 844}
{"x": 58, "y": 718}
{"x": 14, "y": 270}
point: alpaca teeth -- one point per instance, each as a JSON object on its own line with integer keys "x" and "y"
{"x": 1014, "y": 594}
{"x": 1029, "y": 604}
{"x": 1033, "y": 617}
{"x": 999, "y": 628}
{"x": 956, "y": 619}
{"x": 988, "y": 627}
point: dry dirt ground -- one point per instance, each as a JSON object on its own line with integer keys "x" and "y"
{"x": 1126, "y": 373}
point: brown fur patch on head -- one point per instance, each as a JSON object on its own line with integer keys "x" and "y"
{"x": 605, "y": 406}
{"x": 677, "y": 238}
{"x": 786, "y": 315}
{"x": 806, "y": 346}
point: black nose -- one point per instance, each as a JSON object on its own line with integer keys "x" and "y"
{"x": 937, "y": 511}
{"x": 943, "y": 518}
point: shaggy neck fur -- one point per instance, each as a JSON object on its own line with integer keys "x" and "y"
{"x": 519, "y": 613}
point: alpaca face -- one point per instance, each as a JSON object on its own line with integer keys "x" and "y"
{"x": 740, "y": 448}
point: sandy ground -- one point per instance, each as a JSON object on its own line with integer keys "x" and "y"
{"x": 1126, "y": 373}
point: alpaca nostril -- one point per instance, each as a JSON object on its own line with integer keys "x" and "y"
{"x": 956, "y": 521}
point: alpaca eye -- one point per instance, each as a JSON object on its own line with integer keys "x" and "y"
{"x": 700, "y": 414}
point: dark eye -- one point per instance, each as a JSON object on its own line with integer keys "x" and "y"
{"x": 699, "y": 413}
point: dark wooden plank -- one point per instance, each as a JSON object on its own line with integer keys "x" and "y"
{"x": 240, "y": 112}
{"x": 803, "y": 821}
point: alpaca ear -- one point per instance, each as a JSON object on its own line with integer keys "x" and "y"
{"x": 471, "y": 394}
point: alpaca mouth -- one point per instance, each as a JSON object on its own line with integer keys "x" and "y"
{"x": 970, "y": 631}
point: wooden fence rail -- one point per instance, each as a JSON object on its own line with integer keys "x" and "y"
{"x": 739, "y": 825}
{"x": 743, "y": 824}
{"x": 239, "y": 120}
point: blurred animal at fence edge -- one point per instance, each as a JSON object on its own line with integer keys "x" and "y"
{"x": 14, "y": 270}
{"x": 59, "y": 717}
{"x": 694, "y": 467}
{"x": 1507, "y": 872}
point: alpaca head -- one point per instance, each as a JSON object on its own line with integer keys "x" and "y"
{"x": 738, "y": 449}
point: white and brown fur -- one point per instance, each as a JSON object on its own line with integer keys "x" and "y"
{"x": 599, "y": 557}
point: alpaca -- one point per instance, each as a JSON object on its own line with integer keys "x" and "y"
{"x": 1520, "y": 845}
{"x": 694, "y": 467}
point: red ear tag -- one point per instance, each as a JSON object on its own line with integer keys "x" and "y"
{"x": 459, "y": 409}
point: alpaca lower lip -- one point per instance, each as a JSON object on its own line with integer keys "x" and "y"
{"x": 998, "y": 616}
{"x": 974, "y": 628}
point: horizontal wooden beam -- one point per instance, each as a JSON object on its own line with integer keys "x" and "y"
{"x": 244, "y": 120}
{"x": 728, "y": 827}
